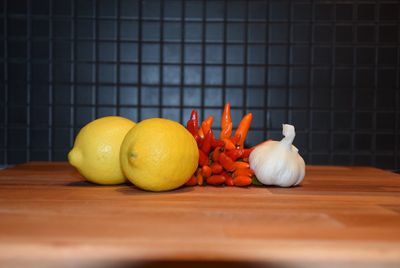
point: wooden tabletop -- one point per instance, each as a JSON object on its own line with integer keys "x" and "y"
{"x": 339, "y": 216}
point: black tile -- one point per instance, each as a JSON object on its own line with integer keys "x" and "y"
{"x": 344, "y": 55}
{"x": 256, "y": 54}
{"x": 344, "y": 33}
{"x": 366, "y": 12}
{"x": 107, "y": 51}
{"x": 84, "y": 95}
{"x": 300, "y": 33}
{"x": 128, "y": 52}
{"x": 17, "y": 116}
{"x": 151, "y": 9}
{"x": 16, "y": 156}
{"x": 343, "y": 99}
{"x": 235, "y": 32}
{"x": 171, "y": 53}
{"x": 61, "y": 138}
{"x": 171, "y": 113}
{"x": 256, "y": 97}
{"x": 39, "y": 28}
{"x": 363, "y": 160}
{"x": 364, "y": 120}
{"x": 279, "y": 32}
{"x": 300, "y": 54}
{"x": 171, "y": 75}
{"x": 129, "y": 8}
{"x": 384, "y": 142}
{"x": 342, "y": 120}
{"x": 234, "y": 75}
{"x": 366, "y": 33}
{"x": 277, "y": 98}
{"x": 191, "y": 97}
{"x": 128, "y": 95}
{"x": 62, "y": 8}
{"x": 62, "y": 94}
{"x": 320, "y": 142}
{"x": 106, "y": 73}
{"x": 150, "y": 74}
{"x": 278, "y": 11}
{"x": 387, "y": 55}
{"x": 129, "y": 30}
{"x": 388, "y": 11}
{"x": 84, "y": 72}
{"x": 85, "y": 29}
{"x": 215, "y": 10}
{"x": 323, "y": 33}
{"x": 106, "y": 95}
{"x": 17, "y": 49}
{"x": 277, "y": 54}
{"x": 62, "y": 50}
{"x": 214, "y": 54}
{"x": 342, "y": 142}
{"x": 275, "y": 119}
{"x": 39, "y": 94}
{"x": 40, "y": 7}
{"x": 300, "y": 120}
{"x": 344, "y": 11}
{"x": 16, "y": 27}
{"x": 150, "y": 96}
{"x": 40, "y": 49}
{"x": 83, "y": 115}
{"x": 193, "y": 31}
{"x": 365, "y": 78}
{"x": 214, "y": 32}
{"x": 364, "y": 99}
{"x": 17, "y": 7}
{"x": 365, "y": 55}
{"x": 236, "y": 10}
{"x": 39, "y": 138}
{"x": 386, "y": 99}
{"x": 17, "y": 138}
{"x": 130, "y": 113}
{"x": 193, "y": 53}
{"x": 387, "y": 78}
{"x": 85, "y": 7}
{"x": 128, "y": 73}
{"x": 277, "y": 76}
{"x": 106, "y": 8}
{"x": 343, "y": 78}
{"x": 301, "y": 11}
{"x": 213, "y": 97}
{"x": 61, "y": 72}
{"x": 321, "y": 98}
{"x": 172, "y": 10}
{"x": 62, "y": 28}
{"x": 107, "y": 30}
{"x": 324, "y": 12}
{"x": 363, "y": 141}
{"x": 16, "y": 71}
{"x": 172, "y": 31}
{"x": 385, "y": 161}
{"x": 388, "y": 33}
{"x": 320, "y": 120}
{"x": 258, "y": 10}
{"x": 257, "y": 32}
{"x": 341, "y": 159}
{"x": 298, "y": 98}
{"x": 300, "y": 77}
{"x": 322, "y": 55}
{"x": 213, "y": 75}
{"x": 192, "y": 75}
{"x": 322, "y": 77}
{"x": 39, "y": 155}
{"x": 150, "y": 53}
{"x": 386, "y": 121}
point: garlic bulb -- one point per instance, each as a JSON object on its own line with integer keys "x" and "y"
{"x": 278, "y": 162}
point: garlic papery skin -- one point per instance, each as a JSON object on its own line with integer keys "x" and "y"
{"x": 278, "y": 162}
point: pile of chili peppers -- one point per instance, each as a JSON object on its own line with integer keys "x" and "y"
{"x": 222, "y": 161}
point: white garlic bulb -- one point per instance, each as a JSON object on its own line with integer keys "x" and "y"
{"x": 278, "y": 162}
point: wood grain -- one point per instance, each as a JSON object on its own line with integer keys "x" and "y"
{"x": 339, "y": 216}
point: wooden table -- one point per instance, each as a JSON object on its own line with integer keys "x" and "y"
{"x": 340, "y": 216}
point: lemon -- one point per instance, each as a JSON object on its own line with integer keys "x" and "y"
{"x": 159, "y": 155}
{"x": 96, "y": 150}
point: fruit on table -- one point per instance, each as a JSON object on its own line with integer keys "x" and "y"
{"x": 159, "y": 155}
{"x": 96, "y": 150}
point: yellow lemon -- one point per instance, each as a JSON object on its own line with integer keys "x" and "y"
{"x": 96, "y": 150}
{"x": 159, "y": 155}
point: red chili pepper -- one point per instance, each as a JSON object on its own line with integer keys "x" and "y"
{"x": 216, "y": 168}
{"x": 247, "y": 152}
{"x": 192, "y": 181}
{"x": 226, "y": 162}
{"x": 206, "y": 145}
{"x": 228, "y": 179}
{"x": 192, "y": 125}
{"x": 235, "y": 153}
{"x": 215, "y": 180}
{"x": 243, "y": 129}
{"x": 217, "y": 143}
{"x": 215, "y": 154}
{"x": 242, "y": 181}
{"x": 206, "y": 171}
{"x": 200, "y": 179}
{"x": 226, "y": 122}
{"x": 203, "y": 158}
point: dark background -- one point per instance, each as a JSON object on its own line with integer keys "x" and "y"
{"x": 331, "y": 68}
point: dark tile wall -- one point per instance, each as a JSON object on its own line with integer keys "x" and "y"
{"x": 331, "y": 68}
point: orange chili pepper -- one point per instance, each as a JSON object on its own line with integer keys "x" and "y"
{"x": 226, "y": 162}
{"x": 200, "y": 178}
{"x": 215, "y": 180}
{"x": 235, "y": 154}
{"x": 240, "y": 165}
{"x": 247, "y": 152}
{"x": 243, "y": 172}
{"x": 206, "y": 171}
{"x": 228, "y": 144}
{"x": 206, "y": 126}
{"x": 243, "y": 129}
{"x": 242, "y": 181}
{"x": 192, "y": 181}
{"x": 216, "y": 168}
{"x": 226, "y": 122}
